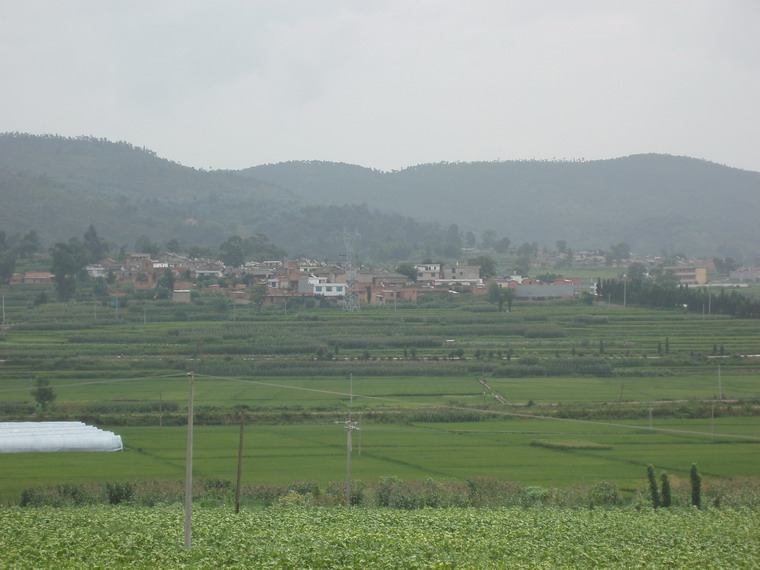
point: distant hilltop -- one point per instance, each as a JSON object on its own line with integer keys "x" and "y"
{"x": 654, "y": 203}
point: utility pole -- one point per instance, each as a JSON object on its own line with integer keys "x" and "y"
{"x": 189, "y": 467}
{"x": 625, "y": 289}
{"x": 350, "y": 427}
{"x": 712, "y": 421}
{"x": 239, "y": 466}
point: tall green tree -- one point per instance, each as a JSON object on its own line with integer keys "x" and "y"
{"x": 145, "y": 245}
{"x": 653, "y": 491}
{"x": 67, "y": 263}
{"x": 453, "y": 242}
{"x": 500, "y": 296}
{"x": 173, "y": 245}
{"x": 43, "y": 394}
{"x": 407, "y": 269}
{"x": 28, "y": 245}
{"x": 618, "y": 253}
{"x": 487, "y": 265}
{"x": 696, "y": 486}
{"x": 666, "y": 492}
{"x": 259, "y": 295}
{"x": 636, "y": 271}
{"x": 165, "y": 284}
{"x": 488, "y": 239}
{"x": 95, "y": 247}
{"x": 502, "y": 245}
{"x": 7, "y": 265}
{"x": 231, "y": 251}
{"x": 258, "y": 248}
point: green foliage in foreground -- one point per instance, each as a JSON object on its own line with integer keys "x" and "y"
{"x": 102, "y": 537}
{"x": 387, "y": 491}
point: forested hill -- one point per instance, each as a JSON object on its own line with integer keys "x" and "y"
{"x": 58, "y": 186}
{"x": 651, "y": 201}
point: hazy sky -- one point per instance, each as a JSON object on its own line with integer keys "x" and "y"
{"x": 388, "y": 84}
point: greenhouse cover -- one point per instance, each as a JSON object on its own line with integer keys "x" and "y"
{"x": 31, "y": 437}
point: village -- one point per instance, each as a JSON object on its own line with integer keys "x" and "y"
{"x": 275, "y": 282}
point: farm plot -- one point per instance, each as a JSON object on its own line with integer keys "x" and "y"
{"x": 532, "y": 452}
{"x": 379, "y": 538}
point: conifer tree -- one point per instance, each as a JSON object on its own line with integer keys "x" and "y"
{"x": 696, "y": 486}
{"x": 653, "y": 487}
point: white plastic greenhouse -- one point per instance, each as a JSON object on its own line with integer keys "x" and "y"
{"x": 31, "y": 437}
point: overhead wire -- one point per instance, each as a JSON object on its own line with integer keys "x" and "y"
{"x": 430, "y": 405}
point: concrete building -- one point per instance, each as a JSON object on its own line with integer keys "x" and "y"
{"x": 689, "y": 274}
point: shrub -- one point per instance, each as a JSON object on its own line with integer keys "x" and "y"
{"x": 294, "y": 499}
{"x": 665, "y": 485}
{"x": 696, "y": 486}
{"x": 118, "y": 493}
{"x": 391, "y": 492}
{"x": 653, "y": 492}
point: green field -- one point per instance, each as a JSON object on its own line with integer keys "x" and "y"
{"x": 100, "y": 537}
{"x": 652, "y": 387}
{"x": 501, "y": 449}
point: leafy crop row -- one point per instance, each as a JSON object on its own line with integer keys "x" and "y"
{"x": 89, "y": 537}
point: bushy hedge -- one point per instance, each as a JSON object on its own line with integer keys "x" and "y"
{"x": 390, "y": 492}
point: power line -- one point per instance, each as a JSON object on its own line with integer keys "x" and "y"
{"x": 506, "y": 413}
{"x": 483, "y": 411}
{"x": 96, "y": 382}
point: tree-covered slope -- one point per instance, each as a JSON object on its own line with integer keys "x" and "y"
{"x": 58, "y": 186}
{"x": 653, "y": 202}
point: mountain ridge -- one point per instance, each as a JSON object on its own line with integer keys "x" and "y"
{"x": 653, "y": 202}
{"x": 679, "y": 200}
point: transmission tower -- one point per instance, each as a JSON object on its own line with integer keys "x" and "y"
{"x": 351, "y": 299}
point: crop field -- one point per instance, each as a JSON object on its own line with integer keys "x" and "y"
{"x": 551, "y": 394}
{"x": 98, "y": 537}
{"x": 546, "y": 453}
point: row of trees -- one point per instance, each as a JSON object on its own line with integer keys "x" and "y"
{"x": 662, "y": 497}
{"x": 664, "y": 295}
{"x": 69, "y": 259}
{"x": 14, "y": 247}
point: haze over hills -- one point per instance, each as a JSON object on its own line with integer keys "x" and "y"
{"x": 652, "y": 202}
{"x": 58, "y": 186}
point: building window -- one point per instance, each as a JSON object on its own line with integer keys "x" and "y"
{"x": 339, "y": 289}
{"x": 317, "y": 289}
{"x": 328, "y": 289}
